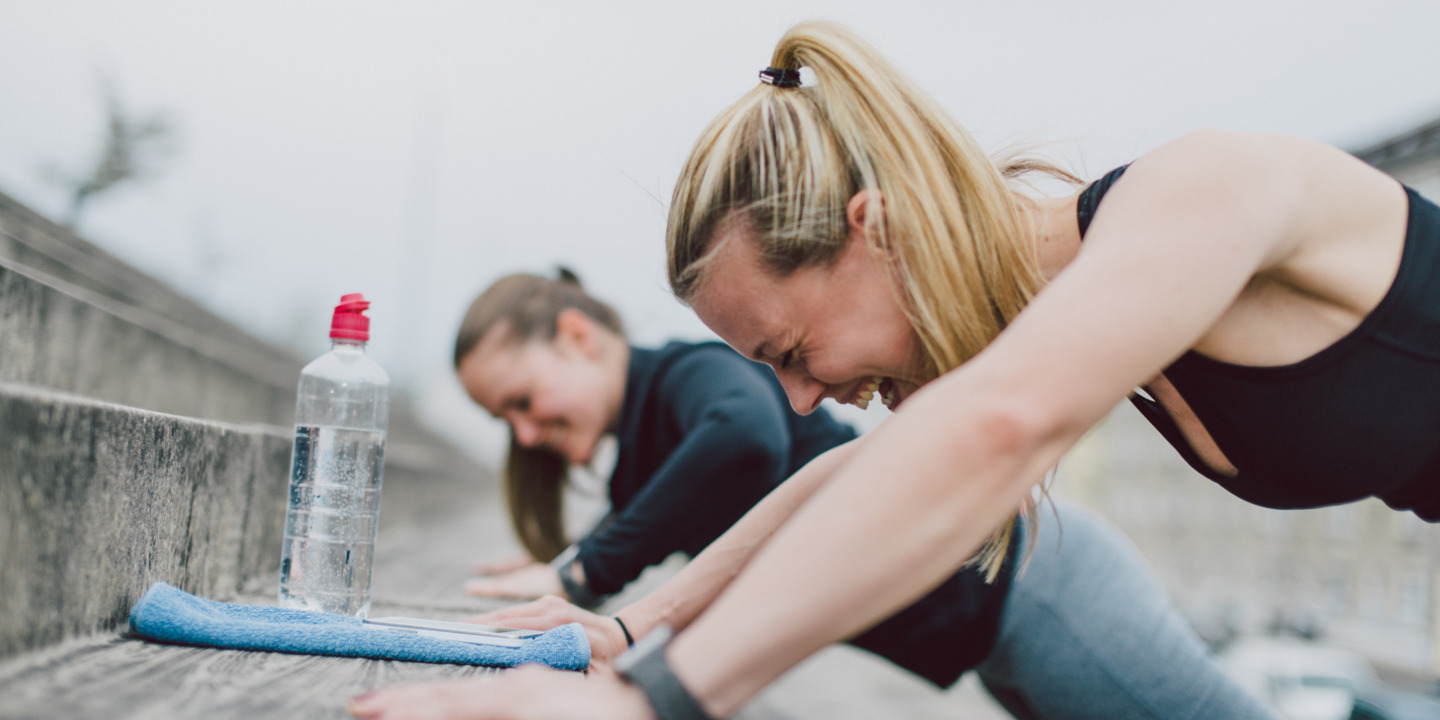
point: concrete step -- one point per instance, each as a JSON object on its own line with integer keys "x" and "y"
{"x": 65, "y": 337}
{"x": 150, "y": 348}
{"x": 142, "y": 439}
{"x": 77, "y": 319}
{"x": 29, "y": 240}
{"x": 98, "y": 501}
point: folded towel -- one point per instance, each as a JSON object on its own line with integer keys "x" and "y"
{"x": 168, "y": 614}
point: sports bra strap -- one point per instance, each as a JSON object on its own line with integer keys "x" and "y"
{"x": 1090, "y": 197}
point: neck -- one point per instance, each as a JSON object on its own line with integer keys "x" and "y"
{"x": 1054, "y": 231}
{"x": 615, "y": 354}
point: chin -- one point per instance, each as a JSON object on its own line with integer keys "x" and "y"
{"x": 582, "y": 457}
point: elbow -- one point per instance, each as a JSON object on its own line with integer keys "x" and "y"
{"x": 762, "y": 454}
{"x": 1024, "y": 436}
{"x": 1013, "y": 429}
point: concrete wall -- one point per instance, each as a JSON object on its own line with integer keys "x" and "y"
{"x": 97, "y": 501}
{"x": 64, "y": 337}
{"x": 142, "y": 438}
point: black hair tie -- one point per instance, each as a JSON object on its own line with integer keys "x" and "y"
{"x": 629, "y": 640}
{"x": 566, "y": 275}
{"x": 780, "y": 78}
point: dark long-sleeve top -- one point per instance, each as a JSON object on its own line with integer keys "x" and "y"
{"x": 704, "y": 435}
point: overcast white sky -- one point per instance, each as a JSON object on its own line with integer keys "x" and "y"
{"x": 415, "y": 151}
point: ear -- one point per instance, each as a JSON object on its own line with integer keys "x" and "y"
{"x": 860, "y": 209}
{"x": 574, "y": 329}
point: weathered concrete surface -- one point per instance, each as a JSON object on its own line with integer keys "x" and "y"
{"x": 109, "y": 677}
{"x": 29, "y": 240}
{"x": 420, "y": 564}
{"x": 64, "y": 337}
{"x": 143, "y": 438}
{"x": 97, "y": 501}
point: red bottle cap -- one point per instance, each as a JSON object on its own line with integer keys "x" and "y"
{"x": 350, "y": 322}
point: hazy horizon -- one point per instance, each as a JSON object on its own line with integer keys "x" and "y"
{"x": 417, "y": 152}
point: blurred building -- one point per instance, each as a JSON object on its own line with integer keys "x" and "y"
{"x": 1361, "y": 575}
{"x": 1413, "y": 157}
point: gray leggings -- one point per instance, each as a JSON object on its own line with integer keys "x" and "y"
{"x": 1088, "y": 632}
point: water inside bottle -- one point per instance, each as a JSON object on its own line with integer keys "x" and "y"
{"x": 331, "y": 522}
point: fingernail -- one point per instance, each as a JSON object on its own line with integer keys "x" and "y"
{"x": 357, "y": 703}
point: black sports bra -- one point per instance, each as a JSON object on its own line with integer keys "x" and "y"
{"x": 1359, "y": 418}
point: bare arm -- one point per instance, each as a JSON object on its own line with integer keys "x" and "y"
{"x": 1181, "y": 235}
{"x": 686, "y": 595}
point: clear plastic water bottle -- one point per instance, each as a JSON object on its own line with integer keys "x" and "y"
{"x": 335, "y": 472}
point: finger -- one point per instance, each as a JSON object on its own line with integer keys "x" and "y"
{"x": 422, "y": 701}
{"x": 523, "y": 621}
{"x": 500, "y": 567}
{"x": 548, "y": 609}
{"x": 485, "y": 568}
{"x": 499, "y": 588}
{"x": 504, "y": 616}
{"x": 482, "y": 587}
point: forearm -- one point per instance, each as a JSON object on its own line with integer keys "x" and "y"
{"x": 918, "y": 500}
{"x": 685, "y": 596}
{"x": 725, "y": 465}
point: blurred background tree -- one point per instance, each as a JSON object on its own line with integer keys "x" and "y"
{"x": 136, "y": 147}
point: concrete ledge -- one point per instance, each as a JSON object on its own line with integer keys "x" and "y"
{"x": 31, "y": 241}
{"x": 98, "y": 501}
{"x": 66, "y": 338}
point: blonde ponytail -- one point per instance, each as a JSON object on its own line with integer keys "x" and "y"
{"x": 786, "y": 161}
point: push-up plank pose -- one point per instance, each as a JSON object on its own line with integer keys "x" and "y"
{"x": 704, "y": 434}
{"x": 1272, "y": 296}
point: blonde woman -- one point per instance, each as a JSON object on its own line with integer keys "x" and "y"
{"x": 1267, "y": 301}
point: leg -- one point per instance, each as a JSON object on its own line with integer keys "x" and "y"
{"x": 1089, "y": 633}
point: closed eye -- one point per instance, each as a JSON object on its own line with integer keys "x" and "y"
{"x": 787, "y": 359}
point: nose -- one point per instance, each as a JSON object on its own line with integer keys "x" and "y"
{"x": 527, "y": 431}
{"x": 805, "y": 392}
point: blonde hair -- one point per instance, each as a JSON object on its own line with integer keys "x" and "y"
{"x": 527, "y": 307}
{"x": 787, "y": 161}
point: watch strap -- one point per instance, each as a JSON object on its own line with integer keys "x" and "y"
{"x": 578, "y": 592}
{"x": 646, "y": 667}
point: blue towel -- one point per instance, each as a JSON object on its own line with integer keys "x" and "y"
{"x": 171, "y": 615}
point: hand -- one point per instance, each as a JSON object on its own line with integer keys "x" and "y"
{"x": 529, "y": 693}
{"x": 607, "y": 640}
{"x": 531, "y": 581}
{"x": 500, "y": 567}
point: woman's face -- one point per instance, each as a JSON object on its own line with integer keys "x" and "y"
{"x": 554, "y": 394}
{"x": 827, "y": 331}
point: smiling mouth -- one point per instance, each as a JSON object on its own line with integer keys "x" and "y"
{"x": 885, "y": 387}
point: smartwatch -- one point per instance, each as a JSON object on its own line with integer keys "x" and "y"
{"x": 563, "y": 565}
{"x": 645, "y": 666}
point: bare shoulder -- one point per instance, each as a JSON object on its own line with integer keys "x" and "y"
{"x": 1271, "y": 156}
{"x": 1324, "y": 231}
{"x": 1298, "y": 192}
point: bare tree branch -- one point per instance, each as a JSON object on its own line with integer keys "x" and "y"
{"x": 135, "y": 149}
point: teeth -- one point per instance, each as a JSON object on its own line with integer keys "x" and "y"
{"x": 889, "y": 397}
{"x": 867, "y": 393}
